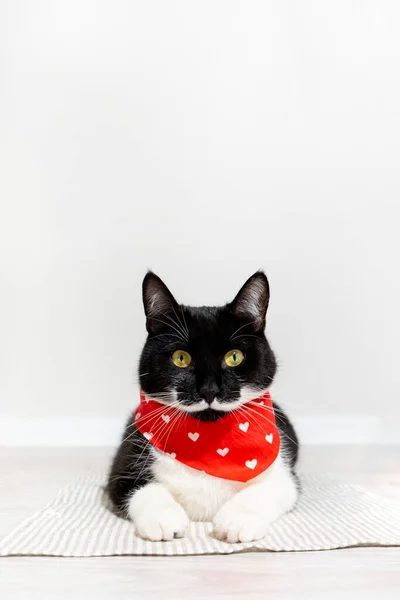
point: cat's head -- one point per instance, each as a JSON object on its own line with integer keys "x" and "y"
{"x": 206, "y": 360}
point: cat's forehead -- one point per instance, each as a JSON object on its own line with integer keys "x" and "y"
{"x": 206, "y": 320}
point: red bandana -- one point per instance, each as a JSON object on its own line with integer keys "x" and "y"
{"x": 239, "y": 446}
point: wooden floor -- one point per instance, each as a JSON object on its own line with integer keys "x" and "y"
{"x": 31, "y": 478}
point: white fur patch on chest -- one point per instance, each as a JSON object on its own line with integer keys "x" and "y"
{"x": 200, "y": 494}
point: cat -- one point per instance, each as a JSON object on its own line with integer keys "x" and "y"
{"x": 159, "y": 494}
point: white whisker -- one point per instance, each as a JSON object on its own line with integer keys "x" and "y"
{"x": 241, "y": 327}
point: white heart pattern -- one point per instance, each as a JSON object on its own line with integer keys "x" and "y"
{"x": 269, "y": 438}
{"x": 222, "y": 451}
{"x": 171, "y": 454}
{"x": 251, "y": 464}
{"x": 165, "y": 418}
{"x": 194, "y": 436}
{"x": 244, "y": 426}
{"x": 148, "y": 435}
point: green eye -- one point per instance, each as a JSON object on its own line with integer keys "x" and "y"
{"x": 181, "y": 359}
{"x": 233, "y": 358}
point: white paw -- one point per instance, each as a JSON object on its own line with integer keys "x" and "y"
{"x": 161, "y": 523}
{"x": 238, "y": 524}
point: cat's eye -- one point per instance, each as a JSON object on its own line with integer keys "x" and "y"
{"x": 181, "y": 359}
{"x": 233, "y": 358}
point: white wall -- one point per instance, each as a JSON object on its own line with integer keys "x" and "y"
{"x": 203, "y": 140}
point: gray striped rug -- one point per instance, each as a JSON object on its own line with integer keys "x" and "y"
{"x": 329, "y": 515}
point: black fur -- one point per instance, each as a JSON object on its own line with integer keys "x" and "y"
{"x": 207, "y": 333}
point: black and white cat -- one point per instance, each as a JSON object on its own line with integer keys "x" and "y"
{"x": 160, "y": 494}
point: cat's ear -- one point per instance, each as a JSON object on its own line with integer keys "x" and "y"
{"x": 251, "y": 302}
{"x": 157, "y": 300}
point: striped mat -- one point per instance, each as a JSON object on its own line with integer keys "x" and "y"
{"x": 329, "y": 515}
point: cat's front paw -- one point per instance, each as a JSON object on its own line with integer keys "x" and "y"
{"x": 234, "y": 523}
{"x": 168, "y": 522}
{"x": 156, "y": 515}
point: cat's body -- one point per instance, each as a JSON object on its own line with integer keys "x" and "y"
{"x": 160, "y": 494}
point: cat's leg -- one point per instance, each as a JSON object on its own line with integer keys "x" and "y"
{"x": 248, "y": 514}
{"x": 135, "y": 494}
{"x": 155, "y": 514}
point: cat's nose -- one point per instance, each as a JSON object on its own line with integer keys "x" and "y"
{"x": 208, "y": 392}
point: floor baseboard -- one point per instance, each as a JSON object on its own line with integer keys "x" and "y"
{"x": 106, "y": 432}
